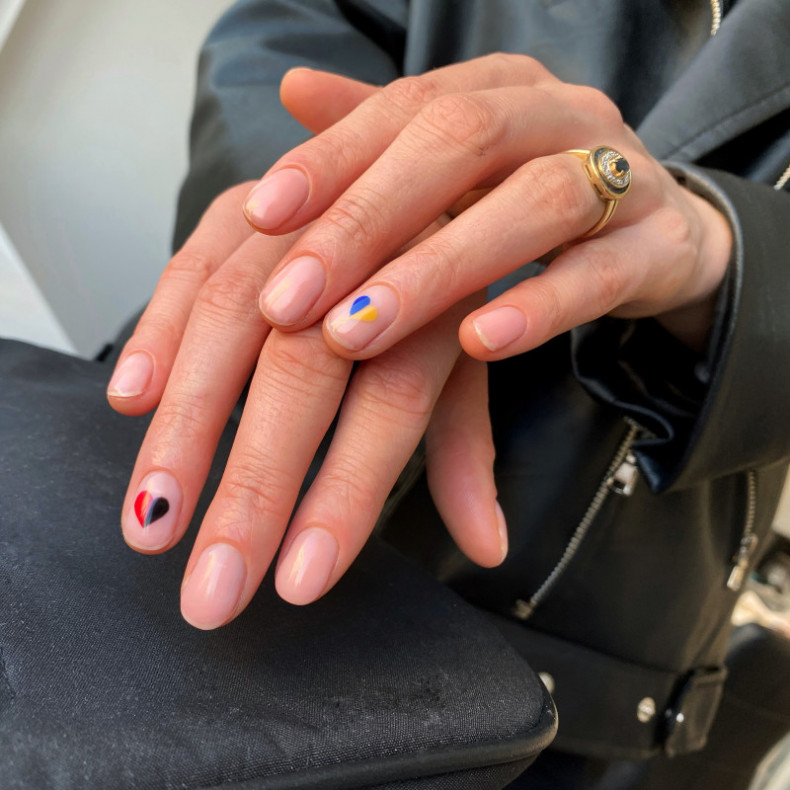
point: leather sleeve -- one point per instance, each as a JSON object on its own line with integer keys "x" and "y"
{"x": 239, "y": 127}
{"x": 727, "y": 412}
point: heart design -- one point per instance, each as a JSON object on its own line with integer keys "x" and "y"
{"x": 149, "y": 508}
{"x": 362, "y": 310}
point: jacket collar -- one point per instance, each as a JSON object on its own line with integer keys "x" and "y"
{"x": 740, "y": 78}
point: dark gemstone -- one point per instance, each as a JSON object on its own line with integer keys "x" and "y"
{"x": 622, "y": 165}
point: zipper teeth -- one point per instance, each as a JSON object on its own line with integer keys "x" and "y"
{"x": 525, "y": 609}
{"x": 751, "y": 503}
{"x": 783, "y": 179}
{"x": 715, "y": 7}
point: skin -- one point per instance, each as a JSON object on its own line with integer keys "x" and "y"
{"x": 476, "y": 145}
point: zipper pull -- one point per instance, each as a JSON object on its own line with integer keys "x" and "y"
{"x": 624, "y": 479}
{"x": 741, "y": 562}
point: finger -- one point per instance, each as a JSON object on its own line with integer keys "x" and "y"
{"x": 147, "y": 358}
{"x": 383, "y": 418}
{"x": 305, "y": 182}
{"x": 293, "y": 398}
{"x": 317, "y": 99}
{"x": 584, "y": 283}
{"x": 459, "y": 451}
{"x": 546, "y": 202}
{"x": 453, "y": 146}
{"x": 217, "y": 354}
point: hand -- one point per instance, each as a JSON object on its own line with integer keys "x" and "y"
{"x": 192, "y": 353}
{"x": 497, "y": 124}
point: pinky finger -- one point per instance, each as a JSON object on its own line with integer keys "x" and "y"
{"x": 582, "y": 284}
{"x": 459, "y": 464}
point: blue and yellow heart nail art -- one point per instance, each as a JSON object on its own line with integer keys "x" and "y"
{"x": 362, "y": 310}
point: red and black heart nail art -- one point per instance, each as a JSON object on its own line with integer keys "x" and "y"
{"x": 149, "y": 508}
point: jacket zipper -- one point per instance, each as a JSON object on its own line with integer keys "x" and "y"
{"x": 620, "y": 478}
{"x": 715, "y": 7}
{"x": 783, "y": 179}
{"x": 743, "y": 556}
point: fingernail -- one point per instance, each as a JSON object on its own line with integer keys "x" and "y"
{"x": 502, "y": 526}
{"x": 132, "y": 376}
{"x": 212, "y": 591}
{"x": 357, "y": 321}
{"x": 293, "y": 291}
{"x": 305, "y": 571}
{"x": 152, "y": 519}
{"x": 500, "y": 327}
{"x": 276, "y": 198}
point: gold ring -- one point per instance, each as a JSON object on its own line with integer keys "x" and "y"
{"x": 609, "y": 173}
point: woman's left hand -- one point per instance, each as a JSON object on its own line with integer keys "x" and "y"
{"x": 497, "y": 127}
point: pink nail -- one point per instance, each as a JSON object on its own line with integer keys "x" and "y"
{"x": 357, "y": 321}
{"x": 502, "y": 526}
{"x": 212, "y": 591}
{"x": 151, "y": 521}
{"x": 305, "y": 571}
{"x": 132, "y": 376}
{"x": 275, "y": 199}
{"x": 500, "y": 327}
{"x": 293, "y": 291}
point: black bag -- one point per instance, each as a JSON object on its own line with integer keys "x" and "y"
{"x": 389, "y": 681}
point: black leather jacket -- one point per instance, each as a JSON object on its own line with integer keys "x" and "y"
{"x": 633, "y": 473}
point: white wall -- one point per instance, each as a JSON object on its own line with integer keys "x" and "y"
{"x": 94, "y": 109}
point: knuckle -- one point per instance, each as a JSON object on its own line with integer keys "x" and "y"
{"x": 462, "y": 122}
{"x": 550, "y": 303}
{"x": 563, "y": 190}
{"x": 181, "y": 418}
{"x": 189, "y": 265}
{"x": 410, "y": 93}
{"x": 254, "y": 484}
{"x": 674, "y": 227}
{"x": 607, "y": 271}
{"x": 358, "y": 215}
{"x": 347, "y": 482}
{"x": 598, "y": 104}
{"x": 402, "y": 388}
{"x": 228, "y": 295}
{"x": 302, "y": 362}
{"x": 505, "y": 62}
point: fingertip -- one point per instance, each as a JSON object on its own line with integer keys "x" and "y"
{"x": 131, "y": 377}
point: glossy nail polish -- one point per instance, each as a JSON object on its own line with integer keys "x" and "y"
{"x": 213, "y": 590}
{"x": 275, "y": 199}
{"x": 500, "y": 327}
{"x": 293, "y": 291}
{"x": 359, "y": 320}
{"x": 306, "y": 568}
{"x": 132, "y": 376}
{"x": 502, "y": 528}
{"x": 151, "y": 521}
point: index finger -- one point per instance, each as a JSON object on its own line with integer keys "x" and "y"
{"x": 301, "y": 185}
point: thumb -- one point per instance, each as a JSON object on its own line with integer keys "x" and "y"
{"x": 317, "y": 99}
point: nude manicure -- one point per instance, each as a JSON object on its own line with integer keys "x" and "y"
{"x": 132, "y": 376}
{"x": 150, "y": 523}
{"x": 500, "y": 327}
{"x": 362, "y": 318}
{"x": 275, "y": 199}
{"x": 294, "y": 291}
{"x": 306, "y": 568}
{"x": 213, "y": 590}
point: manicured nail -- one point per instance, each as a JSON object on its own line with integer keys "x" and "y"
{"x": 132, "y": 376}
{"x": 500, "y": 327}
{"x": 293, "y": 291}
{"x": 212, "y": 591}
{"x": 151, "y": 522}
{"x": 276, "y": 198}
{"x": 357, "y": 321}
{"x": 305, "y": 571}
{"x": 502, "y": 526}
